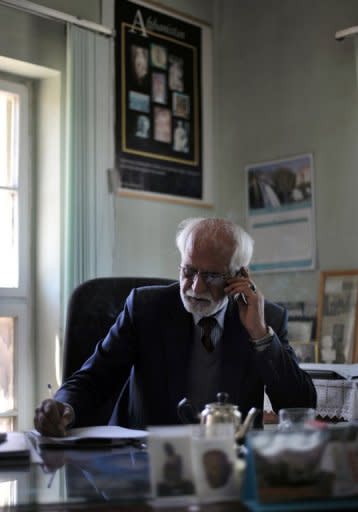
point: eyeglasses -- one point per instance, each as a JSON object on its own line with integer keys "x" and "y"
{"x": 210, "y": 278}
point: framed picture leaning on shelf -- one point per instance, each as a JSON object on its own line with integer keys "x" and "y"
{"x": 337, "y": 318}
{"x": 300, "y": 335}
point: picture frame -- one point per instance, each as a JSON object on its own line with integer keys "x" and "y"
{"x": 163, "y": 61}
{"x": 300, "y": 329}
{"x": 306, "y": 351}
{"x": 337, "y": 317}
{"x": 171, "y": 463}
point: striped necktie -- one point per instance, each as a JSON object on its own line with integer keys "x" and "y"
{"x": 207, "y": 323}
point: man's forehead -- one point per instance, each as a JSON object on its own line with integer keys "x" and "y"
{"x": 220, "y": 244}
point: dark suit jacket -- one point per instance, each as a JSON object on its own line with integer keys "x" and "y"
{"x": 151, "y": 341}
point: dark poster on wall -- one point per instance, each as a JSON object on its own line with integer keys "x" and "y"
{"x": 158, "y": 102}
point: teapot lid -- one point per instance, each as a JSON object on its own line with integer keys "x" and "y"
{"x": 222, "y": 402}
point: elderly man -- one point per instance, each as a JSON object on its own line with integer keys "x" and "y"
{"x": 211, "y": 332}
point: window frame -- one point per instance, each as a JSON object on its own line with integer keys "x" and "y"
{"x": 24, "y": 192}
{"x": 17, "y": 302}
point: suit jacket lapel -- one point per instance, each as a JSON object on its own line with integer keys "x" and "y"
{"x": 177, "y": 341}
{"x": 235, "y": 355}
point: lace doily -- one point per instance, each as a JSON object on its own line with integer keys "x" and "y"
{"x": 335, "y": 399}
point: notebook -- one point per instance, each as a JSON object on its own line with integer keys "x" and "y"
{"x": 14, "y": 450}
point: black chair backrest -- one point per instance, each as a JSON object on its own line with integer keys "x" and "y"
{"x": 93, "y": 308}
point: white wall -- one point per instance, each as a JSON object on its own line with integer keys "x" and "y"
{"x": 284, "y": 86}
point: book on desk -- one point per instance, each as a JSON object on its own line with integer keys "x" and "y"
{"x": 14, "y": 450}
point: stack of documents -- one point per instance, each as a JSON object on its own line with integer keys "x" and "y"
{"x": 14, "y": 450}
{"x": 93, "y": 437}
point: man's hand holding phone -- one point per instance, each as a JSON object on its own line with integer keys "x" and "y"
{"x": 250, "y": 303}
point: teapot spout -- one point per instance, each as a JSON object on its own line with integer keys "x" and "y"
{"x": 247, "y": 424}
{"x": 186, "y": 412}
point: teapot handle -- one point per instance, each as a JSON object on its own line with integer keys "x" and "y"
{"x": 247, "y": 424}
{"x": 186, "y": 412}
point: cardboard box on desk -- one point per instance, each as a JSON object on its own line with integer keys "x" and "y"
{"x": 189, "y": 466}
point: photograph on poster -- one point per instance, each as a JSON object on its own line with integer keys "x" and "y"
{"x": 159, "y": 88}
{"x": 139, "y": 65}
{"x": 181, "y": 135}
{"x": 159, "y": 65}
{"x": 176, "y": 73}
{"x": 162, "y": 124}
{"x": 181, "y": 104}
{"x": 158, "y": 55}
{"x": 138, "y": 101}
{"x": 337, "y": 323}
{"x": 142, "y": 126}
{"x": 280, "y": 209}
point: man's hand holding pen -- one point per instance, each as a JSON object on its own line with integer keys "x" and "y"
{"x": 250, "y": 302}
{"x": 53, "y": 417}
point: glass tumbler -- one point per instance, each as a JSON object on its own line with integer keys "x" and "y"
{"x": 296, "y": 418}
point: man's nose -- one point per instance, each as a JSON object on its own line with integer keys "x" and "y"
{"x": 199, "y": 284}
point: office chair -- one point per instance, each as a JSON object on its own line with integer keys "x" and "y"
{"x": 93, "y": 308}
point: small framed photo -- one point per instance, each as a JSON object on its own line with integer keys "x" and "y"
{"x": 337, "y": 319}
{"x": 300, "y": 329}
{"x": 215, "y": 468}
{"x": 171, "y": 463}
{"x": 306, "y": 351}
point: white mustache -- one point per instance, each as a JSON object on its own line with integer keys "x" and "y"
{"x": 204, "y": 296}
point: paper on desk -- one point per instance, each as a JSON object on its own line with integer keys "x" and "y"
{"x": 105, "y": 434}
{"x": 347, "y": 371}
{"x": 35, "y": 457}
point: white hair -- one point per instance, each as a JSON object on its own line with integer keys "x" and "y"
{"x": 243, "y": 243}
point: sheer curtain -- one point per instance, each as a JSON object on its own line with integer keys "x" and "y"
{"x": 89, "y": 206}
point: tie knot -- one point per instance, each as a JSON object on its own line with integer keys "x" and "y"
{"x": 207, "y": 323}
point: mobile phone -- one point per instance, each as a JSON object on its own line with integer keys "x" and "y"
{"x": 242, "y": 272}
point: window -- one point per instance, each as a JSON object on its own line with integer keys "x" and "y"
{"x": 16, "y": 368}
{"x": 9, "y": 191}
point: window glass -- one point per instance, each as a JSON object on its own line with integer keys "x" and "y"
{"x": 9, "y": 235}
{"x": 6, "y": 364}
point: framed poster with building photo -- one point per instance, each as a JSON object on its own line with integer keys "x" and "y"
{"x": 163, "y": 90}
{"x": 337, "y": 319}
{"x": 280, "y": 207}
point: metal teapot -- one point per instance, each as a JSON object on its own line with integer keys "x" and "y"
{"x": 217, "y": 412}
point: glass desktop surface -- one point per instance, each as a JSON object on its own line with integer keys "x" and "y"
{"x": 78, "y": 476}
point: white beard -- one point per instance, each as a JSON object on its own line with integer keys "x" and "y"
{"x": 204, "y": 307}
